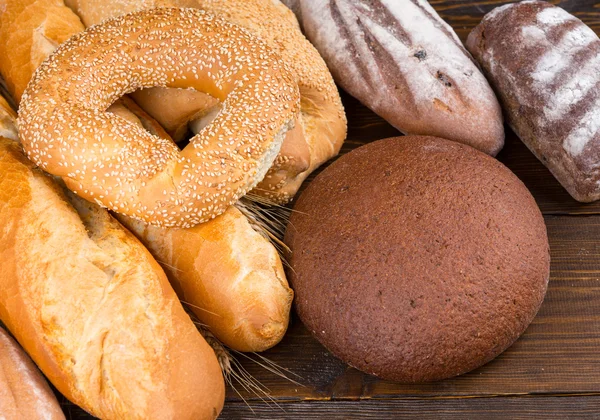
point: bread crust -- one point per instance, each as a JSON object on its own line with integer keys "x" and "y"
{"x": 543, "y": 62}
{"x": 399, "y": 58}
{"x": 24, "y": 394}
{"x": 93, "y": 309}
{"x": 229, "y": 275}
{"x": 407, "y": 266}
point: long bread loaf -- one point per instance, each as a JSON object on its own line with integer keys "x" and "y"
{"x": 93, "y": 309}
{"x": 544, "y": 63}
{"x": 400, "y": 59}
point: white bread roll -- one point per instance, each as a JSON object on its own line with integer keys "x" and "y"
{"x": 231, "y": 277}
{"x": 93, "y": 309}
{"x": 24, "y": 394}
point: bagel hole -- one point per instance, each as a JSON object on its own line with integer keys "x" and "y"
{"x": 182, "y": 113}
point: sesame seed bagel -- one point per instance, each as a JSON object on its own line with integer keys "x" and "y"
{"x": 321, "y": 127}
{"x": 66, "y": 130}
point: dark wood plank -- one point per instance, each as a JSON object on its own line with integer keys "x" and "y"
{"x": 502, "y": 408}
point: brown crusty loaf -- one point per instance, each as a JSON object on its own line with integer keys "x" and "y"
{"x": 231, "y": 277}
{"x": 24, "y": 394}
{"x": 321, "y": 128}
{"x": 92, "y": 307}
{"x": 543, "y": 63}
{"x": 404, "y": 62}
{"x": 417, "y": 259}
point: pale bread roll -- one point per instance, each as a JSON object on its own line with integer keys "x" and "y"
{"x": 231, "y": 277}
{"x": 24, "y": 394}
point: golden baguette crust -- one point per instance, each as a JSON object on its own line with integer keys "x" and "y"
{"x": 8, "y": 121}
{"x": 322, "y": 122}
{"x": 24, "y": 394}
{"x": 29, "y": 31}
{"x": 151, "y": 179}
{"x": 93, "y": 308}
{"x": 231, "y": 277}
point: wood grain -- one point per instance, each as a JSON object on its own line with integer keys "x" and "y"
{"x": 501, "y": 408}
{"x": 553, "y": 371}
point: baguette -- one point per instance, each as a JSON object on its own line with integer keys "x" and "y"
{"x": 231, "y": 277}
{"x": 24, "y": 394}
{"x": 92, "y": 307}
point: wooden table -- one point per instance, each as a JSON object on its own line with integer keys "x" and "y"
{"x": 552, "y": 371}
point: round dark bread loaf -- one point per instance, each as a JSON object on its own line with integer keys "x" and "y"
{"x": 417, "y": 259}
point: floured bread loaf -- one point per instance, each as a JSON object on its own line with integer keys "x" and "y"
{"x": 544, "y": 63}
{"x": 400, "y": 59}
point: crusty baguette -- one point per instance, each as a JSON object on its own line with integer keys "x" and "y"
{"x": 231, "y": 277}
{"x": 400, "y": 59}
{"x": 24, "y": 394}
{"x": 93, "y": 309}
{"x": 319, "y": 132}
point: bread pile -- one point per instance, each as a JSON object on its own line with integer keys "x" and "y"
{"x": 86, "y": 300}
{"x": 142, "y": 123}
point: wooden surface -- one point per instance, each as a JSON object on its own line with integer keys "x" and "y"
{"x": 553, "y": 371}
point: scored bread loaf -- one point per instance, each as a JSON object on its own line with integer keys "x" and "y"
{"x": 24, "y": 394}
{"x": 321, "y": 128}
{"x": 543, "y": 63}
{"x": 93, "y": 309}
{"x": 399, "y": 58}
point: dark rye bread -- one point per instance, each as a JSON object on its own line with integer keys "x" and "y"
{"x": 545, "y": 66}
{"x": 417, "y": 259}
{"x": 404, "y": 62}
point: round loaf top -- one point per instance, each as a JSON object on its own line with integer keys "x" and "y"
{"x": 417, "y": 259}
